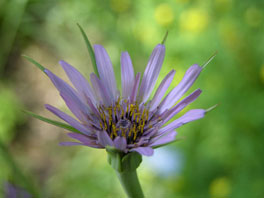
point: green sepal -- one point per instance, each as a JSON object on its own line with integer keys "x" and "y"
{"x": 114, "y": 158}
{"x": 90, "y": 49}
{"x": 131, "y": 161}
{"x": 42, "y": 68}
{"x": 53, "y": 122}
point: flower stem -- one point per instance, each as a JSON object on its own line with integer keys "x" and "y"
{"x": 130, "y": 183}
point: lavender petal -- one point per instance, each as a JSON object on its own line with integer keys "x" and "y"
{"x": 135, "y": 88}
{"x": 100, "y": 90}
{"x": 147, "y": 151}
{"x": 191, "y": 115}
{"x": 120, "y": 143}
{"x": 74, "y": 123}
{"x": 181, "y": 105}
{"x": 105, "y": 70}
{"x": 68, "y": 92}
{"x": 104, "y": 139}
{"x": 78, "y": 80}
{"x": 189, "y": 78}
{"x": 162, "y": 90}
{"x": 127, "y": 75}
{"x": 71, "y": 144}
{"x": 88, "y": 141}
{"x": 164, "y": 139}
{"x": 151, "y": 72}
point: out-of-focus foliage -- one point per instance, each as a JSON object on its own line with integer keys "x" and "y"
{"x": 221, "y": 155}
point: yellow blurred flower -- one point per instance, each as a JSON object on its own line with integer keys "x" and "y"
{"x": 120, "y": 5}
{"x": 194, "y": 20}
{"x": 164, "y": 14}
{"x": 220, "y": 187}
{"x": 253, "y": 16}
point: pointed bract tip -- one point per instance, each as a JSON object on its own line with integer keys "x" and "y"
{"x": 165, "y": 37}
{"x": 41, "y": 67}
{"x": 211, "y": 108}
{"x": 209, "y": 60}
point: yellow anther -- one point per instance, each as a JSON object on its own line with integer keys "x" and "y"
{"x": 101, "y": 125}
{"x": 131, "y": 111}
{"x": 130, "y": 132}
{"x": 114, "y": 129}
{"x": 135, "y": 135}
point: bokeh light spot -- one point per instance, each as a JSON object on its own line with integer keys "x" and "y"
{"x": 194, "y": 20}
{"x": 220, "y": 187}
{"x": 120, "y": 5}
{"x": 164, "y": 14}
{"x": 253, "y": 17}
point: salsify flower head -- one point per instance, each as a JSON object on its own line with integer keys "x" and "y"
{"x": 128, "y": 120}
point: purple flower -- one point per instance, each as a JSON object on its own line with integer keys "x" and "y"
{"x": 12, "y": 191}
{"x": 130, "y": 121}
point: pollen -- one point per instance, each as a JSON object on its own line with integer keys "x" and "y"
{"x": 125, "y": 119}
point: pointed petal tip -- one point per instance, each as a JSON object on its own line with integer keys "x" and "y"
{"x": 165, "y": 38}
{"x": 211, "y": 108}
{"x": 41, "y": 67}
{"x": 209, "y": 60}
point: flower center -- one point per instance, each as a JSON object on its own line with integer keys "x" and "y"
{"x": 126, "y": 119}
{"x": 123, "y": 123}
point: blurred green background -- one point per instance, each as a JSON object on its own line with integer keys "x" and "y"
{"x": 221, "y": 155}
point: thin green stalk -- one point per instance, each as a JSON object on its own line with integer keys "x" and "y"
{"x": 130, "y": 183}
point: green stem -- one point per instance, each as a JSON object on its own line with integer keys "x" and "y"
{"x": 130, "y": 183}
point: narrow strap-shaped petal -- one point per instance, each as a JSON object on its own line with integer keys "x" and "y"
{"x": 181, "y": 105}
{"x": 135, "y": 88}
{"x": 70, "y": 144}
{"x": 105, "y": 70}
{"x": 147, "y": 151}
{"x": 100, "y": 90}
{"x": 120, "y": 143}
{"x": 127, "y": 75}
{"x": 68, "y": 92}
{"x": 162, "y": 90}
{"x": 151, "y": 72}
{"x": 164, "y": 139}
{"x": 78, "y": 80}
{"x": 75, "y": 109}
{"x": 78, "y": 144}
{"x": 85, "y": 140}
{"x": 190, "y": 76}
{"x": 74, "y": 123}
{"x": 191, "y": 115}
{"x": 104, "y": 139}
